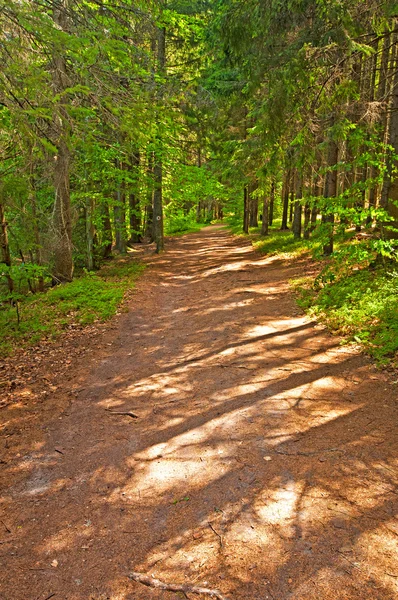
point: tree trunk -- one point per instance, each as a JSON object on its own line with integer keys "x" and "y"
{"x": 285, "y": 198}
{"x": 246, "y": 209}
{"x": 271, "y": 203}
{"x": 158, "y": 228}
{"x": 199, "y": 165}
{"x": 62, "y": 221}
{"x": 36, "y": 227}
{"x": 5, "y": 248}
{"x": 107, "y": 231}
{"x": 90, "y": 233}
{"x": 389, "y": 196}
{"x": 253, "y": 202}
{"x": 119, "y": 217}
{"x": 134, "y": 203}
{"x": 266, "y": 211}
{"x": 298, "y": 209}
{"x": 307, "y": 218}
{"x": 380, "y": 94}
{"x": 148, "y": 228}
{"x": 330, "y": 192}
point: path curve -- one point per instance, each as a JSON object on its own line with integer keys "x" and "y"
{"x": 263, "y": 460}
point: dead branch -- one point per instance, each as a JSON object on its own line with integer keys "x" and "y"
{"x": 216, "y": 532}
{"x": 127, "y": 413}
{"x": 175, "y": 587}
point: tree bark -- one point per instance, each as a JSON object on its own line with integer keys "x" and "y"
{"x": 266, "y": 211}
{"x": 271, "y": 203}
{"x": 4, "y": 246}
{"x": 107, "y": 231}
{"x": 134, "y": 203}
{"x": 298, "y": 209}
{"x": 382, "y": 121}
{"x": 389, "y": 196}
{"x": 330, "y": 192}
{"x": 285, "y": 199}
{"x": 246, "y": 209}
{"x": 158, "y": 228}
{"x": 62, "y": 221}
{"x": 119, "y": 217}
{"x": 253, "y": 202}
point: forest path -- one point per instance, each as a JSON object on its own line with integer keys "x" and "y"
{"x": 263, "y": 461}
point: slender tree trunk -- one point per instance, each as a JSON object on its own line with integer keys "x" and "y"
{"x": 298, "y": 209}
{"x": 158, "y": 228}
{"x": 134, "y": 202}
{"x": 330, "y": 192}
{"x": 382, "y": 121}
{"x": 36, "y": 227}
{"x": 119, "y": 217}
{"x": 148, "y": 229}
{"x": 246, "y": 209}
{"x": 107, "y": 231}
{"x": 62, "y": 221}
{"x": 307, "y": 219}
{"x": 253, "y": 201}
{"x": 285, "y": 199}
{"x": 4, "y": 246}
{"x": 266, "y": 213}
{"x": 389, "y": 196}
{"x": 90, "y": 233}
{"x": 199, "y": 165}
{"x": 271, "y": 203}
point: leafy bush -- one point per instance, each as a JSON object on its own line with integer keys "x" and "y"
{"x": 177, "y": 221}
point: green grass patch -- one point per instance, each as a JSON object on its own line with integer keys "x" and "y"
{"x": 276, "y": 242}
{"x": 284, "y": 243}
{"x": 184, "y": 229}
{"x": 362, "y": 306}
{"x": 90, "y": 298}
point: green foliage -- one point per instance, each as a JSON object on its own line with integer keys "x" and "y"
{"x": 179, "y": 222}
{"x": 90, "y": 298}
{"x": 284, "y": 243}
{"x": 363, "y": 307}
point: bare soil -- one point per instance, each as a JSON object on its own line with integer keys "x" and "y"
{"x": 263, "y": 461}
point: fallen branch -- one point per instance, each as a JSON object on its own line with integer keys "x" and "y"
{"x": 175, "y": 587}
{"x": 216, "y": 532}
{"x": 127, "y": 413}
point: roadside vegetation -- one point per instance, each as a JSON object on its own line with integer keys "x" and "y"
{"x": 90, "y": 298}
{"x": 354, "y": 293}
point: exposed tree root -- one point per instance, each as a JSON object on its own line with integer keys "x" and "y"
{"x": 175, "y": 587}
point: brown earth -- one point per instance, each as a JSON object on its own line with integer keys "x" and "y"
{"x": 263, "y": 460}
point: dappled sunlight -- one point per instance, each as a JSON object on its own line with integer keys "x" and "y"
{"x": 222, "y": 439}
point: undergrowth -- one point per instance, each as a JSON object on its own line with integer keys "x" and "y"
{"x": 351, "y": 295}
{"x": 90, "y": 298}
{"x": 362, "y": 306}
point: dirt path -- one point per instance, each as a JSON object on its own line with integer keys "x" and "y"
{"x": 263, "y": 461}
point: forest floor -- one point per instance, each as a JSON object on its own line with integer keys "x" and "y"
{"x": 263, "y": 461}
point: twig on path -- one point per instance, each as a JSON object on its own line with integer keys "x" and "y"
{"x": 127, "y": 413}
{"x": 175, "y": 587}
{"x": 7, "y": 528}
{"x": 216, "y": 532}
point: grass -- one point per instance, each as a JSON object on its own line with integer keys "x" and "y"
{"x": 277, "y": 242}
{"x": 356, "y": 301}
{"x": 184, "y": 229}
{"x": 94, "y": 297}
